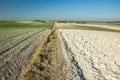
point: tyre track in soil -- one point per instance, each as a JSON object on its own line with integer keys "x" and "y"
{"x": 76, "y": 70}
{"x": 18, "y": 43}
{"x": 48, "y": 62}
{"x": 14, "y": 36}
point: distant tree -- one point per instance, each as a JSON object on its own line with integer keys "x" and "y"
{"x": 39, "y": 21}
{"x": 83, "y": 22}
{"x": 61, "y": 21}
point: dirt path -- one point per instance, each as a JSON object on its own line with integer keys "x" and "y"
{"x": 48, "y": 63}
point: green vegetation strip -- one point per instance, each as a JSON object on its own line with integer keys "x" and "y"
{"x": 94, "y": 28}
{"x": 6, "y": 25}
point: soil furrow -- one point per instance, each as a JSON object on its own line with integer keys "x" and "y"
{"x": 76, "y": 70}
{"x": 15, "y": 36}
{"x": 18, "y": 43}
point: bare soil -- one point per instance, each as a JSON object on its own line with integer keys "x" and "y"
{"x": 93, "y": 54}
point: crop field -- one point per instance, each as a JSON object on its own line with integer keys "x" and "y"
{"x": 94, "y": 52}
{"x": 18, "y": 41}
{"x": 63, "y": 51}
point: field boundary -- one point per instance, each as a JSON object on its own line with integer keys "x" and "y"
{"x": 37, "y": 51}
{"x": 36, "y": 54}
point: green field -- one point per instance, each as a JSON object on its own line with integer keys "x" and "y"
{"x": 12, "y": 32}
{"x": 24, "y": 25}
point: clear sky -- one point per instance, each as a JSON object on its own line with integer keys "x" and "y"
{"x": 91, "y": 10}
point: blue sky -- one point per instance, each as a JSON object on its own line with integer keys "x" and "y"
{"x": 90, "y": 10}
